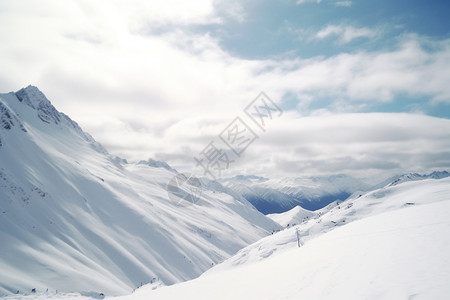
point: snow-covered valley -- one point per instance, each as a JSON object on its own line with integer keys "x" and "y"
{"x": 79, "y": 223}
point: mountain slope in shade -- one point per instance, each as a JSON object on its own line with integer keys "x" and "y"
{"x": 391, "y": 243}
{"x": 73, "y": 218}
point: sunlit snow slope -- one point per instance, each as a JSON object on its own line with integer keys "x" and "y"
{"x": 292, "y": 217}
{"x": 391, "y": 243}
{"x": 73, "y": 218}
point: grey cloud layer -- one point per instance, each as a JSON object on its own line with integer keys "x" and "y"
{"x": 166, "y": 95}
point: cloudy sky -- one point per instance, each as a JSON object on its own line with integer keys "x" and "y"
{"x": 364, "y": 86}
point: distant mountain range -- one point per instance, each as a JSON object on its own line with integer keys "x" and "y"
{"x": 280, "y": 195}
{"x": 312, "y": 193}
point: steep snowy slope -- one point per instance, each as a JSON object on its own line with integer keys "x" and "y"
{"x": 73, "y": 218}
{"x": 280, "y": 195}
{"x": 392, "y": 243}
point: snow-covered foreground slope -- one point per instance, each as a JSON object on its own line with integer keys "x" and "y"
{"x": 392, "y": 243}
{"x": 73, "y": 218}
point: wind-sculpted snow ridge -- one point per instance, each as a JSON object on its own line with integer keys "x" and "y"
{"x": 74, "y": 218}
{"x": 391, "y": 243}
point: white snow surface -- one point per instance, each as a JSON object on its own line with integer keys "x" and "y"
{"x": 391, "y": 243}
{"x": 292, "y": 217}
{"x": 74, "y": 218}
{"x": 53, "y": 296}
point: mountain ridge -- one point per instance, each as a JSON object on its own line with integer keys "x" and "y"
{"x": 275, "y": 196}
{"x": 69, "y": 209}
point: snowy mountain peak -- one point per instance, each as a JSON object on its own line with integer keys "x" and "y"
{"x": 157, "y": 164}
{"x": 292, "y": 217}
{"x": 31, "y": 96}
{"x": 439, "y": 174}
{"x": 34, "y": 98}
{"x": 28, "y": 108}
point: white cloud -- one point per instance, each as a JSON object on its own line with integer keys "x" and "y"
{"x": 359, "y": 144}
{"x": 345, "y": 34}
{"x": 306, "y": 1}
{"x": 337, "y": 3}
{"x": 167, "y": 95}
{"x": 138, "y": 12}
{"x": 343, "y": 3}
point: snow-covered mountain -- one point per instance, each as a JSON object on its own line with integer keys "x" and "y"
{"x": 412, "y": 177}
{"x": 292, "y": 217}
{"x": 74, "y": 218}
{"x": 390, "y": 243}
{"x": 280, "y": 195}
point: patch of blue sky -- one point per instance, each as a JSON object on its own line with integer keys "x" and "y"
{"x": 273, "y": 28}
{"x": 410, "y": 104}
{"x": 401, "y": 103}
